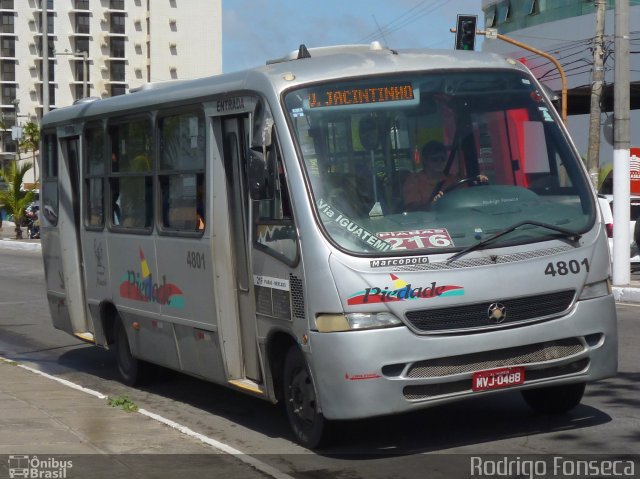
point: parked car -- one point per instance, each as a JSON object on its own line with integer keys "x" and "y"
{"x": 606, "y": 205}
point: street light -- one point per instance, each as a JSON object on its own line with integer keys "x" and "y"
{"x": 85, "y": 68}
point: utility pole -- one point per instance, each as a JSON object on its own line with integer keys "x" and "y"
{"x": 621, "y": 145}
{"x": 597, "y": 79}
{"x": 44, "y": 20}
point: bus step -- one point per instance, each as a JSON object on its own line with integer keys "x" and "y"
{"x": 87, "y": 337}
{"x": 247, "y": 385}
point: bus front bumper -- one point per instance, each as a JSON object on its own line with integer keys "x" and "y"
{"x": 370, "y": 373}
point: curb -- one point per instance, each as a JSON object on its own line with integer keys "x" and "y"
{"x": 18, "y": 244}
{"x": 626, "y": 294}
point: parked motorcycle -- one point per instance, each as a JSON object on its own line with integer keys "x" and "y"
{"x": 33, "y": 224}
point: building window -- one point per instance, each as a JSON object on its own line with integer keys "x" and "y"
{"x": 8, "y": 48}
{"x": 51, "y": 47}
{"x": 117, "y": 71}
{"x": 181, "y": 172}
{"x": 116, "y": 5}
{"x": 116, "y": 47}
{"x": 504, "y": 11}
{"x": 8, "y": 94}
{"x": 79, "y": 71}
{"x": 117, "y": 90}
{"x": 79, "y": 91}
{"x": 531, "y": 7}
{"x": 82, "y": 4}
{"x": 117, "y": 23}
{"x": 50, "y": 28}
{"x": 6, "y": 4}
{"x": 82, "y": 44}
{"x": 82, "y": 23}
{"x": 52, "y": 70}
{"x": 7, "y": 23}
{"x": 8, "y": 70}
{"x": 52, "y": 93}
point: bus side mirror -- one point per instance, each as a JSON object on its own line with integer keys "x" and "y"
{"x": 260, "y": 173}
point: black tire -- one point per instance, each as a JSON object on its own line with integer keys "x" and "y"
{"x": 554, "y": 399}
{"x": 132, "y": 371}
{"x": 309, "y": 426}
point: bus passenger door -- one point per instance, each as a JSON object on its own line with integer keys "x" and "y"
{"x": 69, "y": 231}
{"x": 235, "y": 145}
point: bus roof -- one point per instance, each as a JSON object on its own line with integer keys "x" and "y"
{"x": 295, "y": 69}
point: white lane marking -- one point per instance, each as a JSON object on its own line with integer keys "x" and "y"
{"x": 67, "y": 383}
{"x": 252, "y": 461}
{"x": 241, "y": 456}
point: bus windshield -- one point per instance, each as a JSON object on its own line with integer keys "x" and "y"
{"x": 437, "y": 162}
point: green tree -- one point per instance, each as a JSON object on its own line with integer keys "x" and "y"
{"x": 30, "y": 142}
{"x": 14, "y": 199}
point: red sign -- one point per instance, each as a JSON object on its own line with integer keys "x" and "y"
{"x": 634, "y": 170}
{"x": 497, "y": 378}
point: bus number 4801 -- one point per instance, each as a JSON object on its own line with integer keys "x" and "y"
{"x": 195, "y": 260}
{"x": 567, "y": 267}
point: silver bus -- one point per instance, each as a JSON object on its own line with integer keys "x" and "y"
{"x": 255, "y": 229}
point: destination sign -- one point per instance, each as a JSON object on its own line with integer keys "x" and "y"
{"x": 335, "y": 97}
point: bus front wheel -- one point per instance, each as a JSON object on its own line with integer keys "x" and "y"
{"x": 554, "y": 399}
{"x": 310, "y": 427}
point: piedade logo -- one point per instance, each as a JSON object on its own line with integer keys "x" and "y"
{"x": 402, "y": 291}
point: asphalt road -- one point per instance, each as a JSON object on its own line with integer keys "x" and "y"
{"x": 607, "y": 422}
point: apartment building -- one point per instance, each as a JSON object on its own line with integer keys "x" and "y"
{"x": 101, "y": 47}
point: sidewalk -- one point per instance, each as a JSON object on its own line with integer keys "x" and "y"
{"x": 60, "y": 425}
{"x": 8, "y": 237}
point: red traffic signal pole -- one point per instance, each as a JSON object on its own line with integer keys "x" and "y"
{"x": 493, "y": 33}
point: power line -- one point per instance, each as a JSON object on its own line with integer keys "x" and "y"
{"x": 420, "y": 10}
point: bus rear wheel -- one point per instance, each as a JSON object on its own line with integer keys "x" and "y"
{"x": 554, "y": 399}
{"x": 309, "y": 426}
{"x": 132, "y": 370}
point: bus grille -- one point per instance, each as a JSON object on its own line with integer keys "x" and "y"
{"x": 521, "y": 355}
{"x": 431, "y": 391}
{"x": 475, "y": 316}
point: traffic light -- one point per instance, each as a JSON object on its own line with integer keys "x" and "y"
{"x": 466, "y": 32}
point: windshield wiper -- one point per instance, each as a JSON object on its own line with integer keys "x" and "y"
{"x": 573, "y": 236}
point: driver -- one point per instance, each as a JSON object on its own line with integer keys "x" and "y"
{"x": 427, "y": 186}
{"x": 420, "y": 187}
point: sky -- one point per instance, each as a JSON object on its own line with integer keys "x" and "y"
{"x": 254, "y": 31}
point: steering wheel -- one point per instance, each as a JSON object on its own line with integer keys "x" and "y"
{"x": 473, "y": 180}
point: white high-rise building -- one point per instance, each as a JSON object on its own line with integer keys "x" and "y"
{"x": 127, "y": 42}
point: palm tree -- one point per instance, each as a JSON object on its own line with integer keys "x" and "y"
{"x": 14, "y": 199}
{"x": 30, "y": 142}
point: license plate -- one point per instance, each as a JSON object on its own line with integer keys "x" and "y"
{"x": 497, "y": 378}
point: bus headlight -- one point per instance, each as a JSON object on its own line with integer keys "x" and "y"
{"x": 329, "y": 323}
{"x": 595, "y": 290}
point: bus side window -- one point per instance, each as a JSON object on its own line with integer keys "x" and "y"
{"x": 131, "y": 180}
{"x": 181, "y": 176}
{"x": 274, "y": 224}
{"x": 94, "y": 176}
